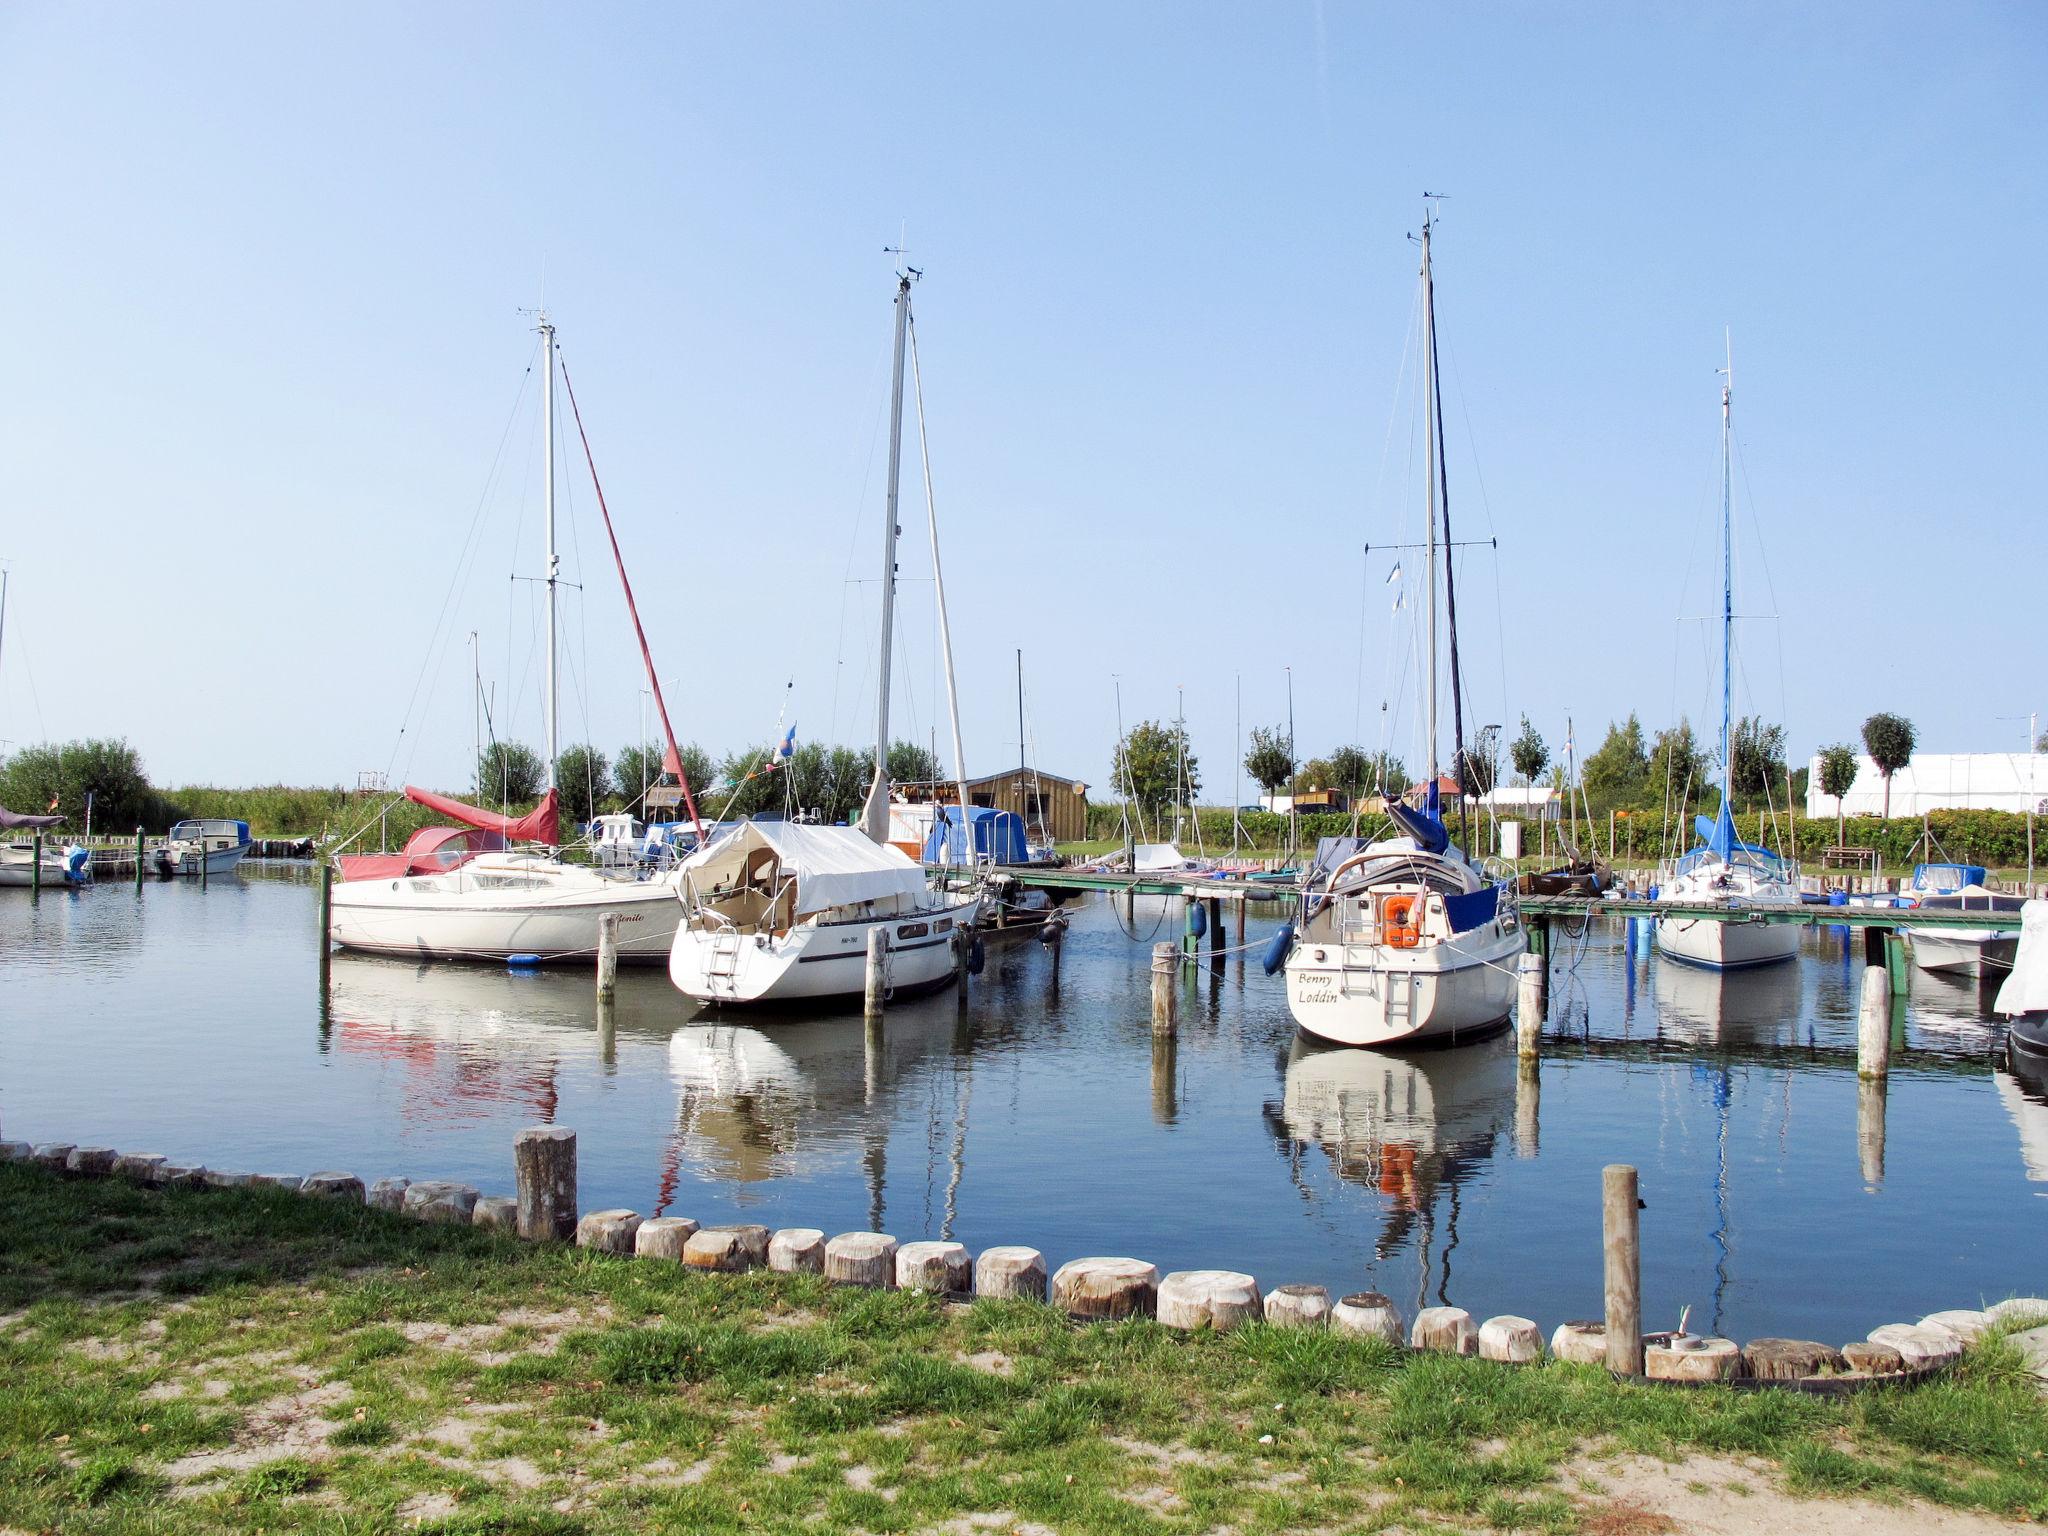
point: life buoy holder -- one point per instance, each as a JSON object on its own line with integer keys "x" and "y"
{"x": 1398, "y": 924}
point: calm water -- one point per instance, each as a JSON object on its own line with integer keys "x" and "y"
{"x": 192, "y": 1023}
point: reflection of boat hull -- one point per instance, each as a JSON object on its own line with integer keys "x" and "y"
{"x": 1963, "y": 951}
{"x": 1715, "y": 945}
{"x": 1760, "y": 1005}
{"x": 491, "y": 911}
{"x": 1370, "y": 994}
{"x": 816, "y": 961}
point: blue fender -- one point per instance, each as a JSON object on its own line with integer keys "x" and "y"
{"x": 1198, "y": 920}
{"x": 1276, "y": 951}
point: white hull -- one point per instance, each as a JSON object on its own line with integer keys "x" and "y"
{"x": 815, "y": 961}
{"x": 493, "y": 910}
{"x": 1963, "y": 951}
{"x": 221, "y": 861}
{"x": 1370, "y": 994}
{"x": 1725, "y": 946}
{"x": 18, "y": 867}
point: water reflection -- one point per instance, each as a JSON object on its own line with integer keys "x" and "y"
{"x": 1731, "y": 1008}
{"x": 2023, "y": 1090}
{"x": 1411, "y": 1127}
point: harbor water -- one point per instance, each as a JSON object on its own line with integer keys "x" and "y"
{"x": 194, "y": 1023}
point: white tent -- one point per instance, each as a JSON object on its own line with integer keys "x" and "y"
{"x": 1939, "y": 781}
{"x": 833, "y": 866}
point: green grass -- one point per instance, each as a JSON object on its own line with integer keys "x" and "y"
{"x": 280, "y": 1363}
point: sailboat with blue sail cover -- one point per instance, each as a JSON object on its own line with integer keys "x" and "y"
{"x": 1405, "y": 939}
{"x": 1723, "y": 870}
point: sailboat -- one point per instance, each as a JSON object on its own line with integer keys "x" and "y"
{"x": 1406, "y": 939}
{"x": 473, "y": 892}
{"x": 779, "y": 912}
{"x": 1723, "y": 870}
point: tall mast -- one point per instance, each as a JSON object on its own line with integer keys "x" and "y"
{"x": 1429, "y": 520}
{"x": 547, "y": 436}
{"x": 874, "y": 816}
{"x": 476, "y": 712}
{"x": 1022, "y": 762}
{"x": 1727, "y": 585}
{"x": 931, "y": 510}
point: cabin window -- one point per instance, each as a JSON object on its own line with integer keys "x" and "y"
{"x": 913, "y": 930}
{"x": 944, "y": 925}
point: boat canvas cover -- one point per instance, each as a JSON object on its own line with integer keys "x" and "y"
{"x": 17, "y": 819}
{"x": 996, "y": 835}
{"x": 1331, "y": 852}
{"x": 1947, "y": 879}
{"x": 834, "y": 866}
{"x": 2026, "y": 989}
{"x": 539, "y": 825}
{"x": 1157, "y": 858}
{"x": 1717, "y": 837}
{"x": 429, "y": 851}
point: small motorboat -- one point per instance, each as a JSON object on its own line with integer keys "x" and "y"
{"x": 213, "y": 842}
{"x": 1958, "y": 951}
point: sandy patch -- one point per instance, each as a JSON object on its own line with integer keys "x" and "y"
{"x": 1163, "y": 1457}
{"x": 1725, "y": 1496}
{"x": 292, "y": 1425}
{"x": 994, "y": 1361}
{"x": 1002, "y": 1520}
{"x": 442, "y": 1336}
{"x": 422, "y": 1507}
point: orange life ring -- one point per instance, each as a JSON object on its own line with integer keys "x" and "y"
{"x": 1397, "y": 922}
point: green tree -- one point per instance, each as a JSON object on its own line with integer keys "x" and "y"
{"x": 1528, "y": 753}
{"x": 108, "y": 770}
{"x": 1155, "y": 766}
{"x": 1889, "y": 741}
{"x": 508, "y": 773}
{"x": 1358, "y": 772}
{"x": 830, "y": 782}
{"x": 1759, "y": 751}
{"x": 641, "y": 764}
{"x": 1838, "y": 766}
{"x": 745, "y": 785}
{"x": 1619, "y": 771}
{"x": 1271, "y": 759}
{"x": 1679, "y": 765}
{"x": 910, "y": 763}
{"x": 1316, "y": 773}
{"x": 586, "y": 780}
{"x": 1477, "y": 767}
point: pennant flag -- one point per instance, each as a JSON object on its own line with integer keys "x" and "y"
{"x": 53, "y": 802}
{"x": 788, "y": 748}
{"x": 1395, "y": 574}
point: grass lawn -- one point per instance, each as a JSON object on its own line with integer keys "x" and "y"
{"x": 252, "y": 1361}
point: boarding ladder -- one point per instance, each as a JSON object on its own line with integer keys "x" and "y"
{"x": 725, "y": 961}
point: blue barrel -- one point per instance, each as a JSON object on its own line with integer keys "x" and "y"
{"x": 1838, "y": 898}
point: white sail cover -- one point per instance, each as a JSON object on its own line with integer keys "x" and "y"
{"x": 2026, "y": 989}
{"x": 834, "y": 866}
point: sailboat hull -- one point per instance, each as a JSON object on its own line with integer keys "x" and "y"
{"x": 1368, "y": 994}
{"x": 816, "y": 962}
{"x": 548, "y": 911}
{"x": 1725, "y": 946}
{"x": 1963, "y": 951}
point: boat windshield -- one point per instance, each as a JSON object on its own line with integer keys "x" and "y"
{"x": 1741, "y": 856}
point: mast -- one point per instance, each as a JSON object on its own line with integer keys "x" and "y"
{"x": 554, "y": 562}
{"x": 476, "y": 711}
{"x": 1727, "y": 587}
{"x": 1429, "y": 520}
{"x": 1441, "y": 470}
{"x": 874, "y": 816}
{"x": 939, "y": 583}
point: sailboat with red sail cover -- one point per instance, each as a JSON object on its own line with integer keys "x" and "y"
{"x": 495, "y": 886}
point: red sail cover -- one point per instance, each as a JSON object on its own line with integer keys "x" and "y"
{"x": 538, "y": 825}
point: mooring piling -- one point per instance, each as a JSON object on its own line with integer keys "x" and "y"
{"x": 35, "y": 870}
{"x": 326, "y": 914}
{"x": 878, "y": 970}
{"x": 138, "y": 867}
{"x": 544, "y": 1163}
{"x": 1165, "y": 971}
{"x": 1216, "y": 933}
{"x": 1165, "y": 1084}
{"x": 607, "y": 956}
{"x": 1622, "y": 1238}
{"x": 1874, "y": 1026}
{"x": 1532, "y": 983}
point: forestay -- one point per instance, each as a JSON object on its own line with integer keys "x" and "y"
{"x": 833, "y": 866}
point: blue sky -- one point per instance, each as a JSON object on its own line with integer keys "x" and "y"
{"x": 267, "y": 264}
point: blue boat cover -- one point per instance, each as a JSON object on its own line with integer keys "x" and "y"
{"x": 1717, "y": 836}
{"x": 1424, "y": 827}
{"x": 1945, "y": 879}
{"x": 997, "y": 835}
{"x": 1471, "y": 910}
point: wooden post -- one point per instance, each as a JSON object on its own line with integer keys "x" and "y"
{"x": 1622, "y": 1238}
{"x": 1216, "y": 933}
{"x": 607, "y": 955}
{"x": 1532, "y": 978}
{"x": 1897, "y": 972}
{"x": 1165, "y": 968}
{"x": 1241, "y": 905}
{"x": 1874, "y": 1026}
{"x": 544, "y": 1165}
{"x": 878, "y": 969}
{"x": 203, "y": 879}
{"x": 138, "y": 858}
{"x": 1539, "y": 935}
{"x": 326, "y": 916}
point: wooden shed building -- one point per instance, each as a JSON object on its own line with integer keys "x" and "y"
{"x": 1055, "y": 810}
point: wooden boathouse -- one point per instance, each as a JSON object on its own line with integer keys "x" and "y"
{"x": 1054, "y": 809}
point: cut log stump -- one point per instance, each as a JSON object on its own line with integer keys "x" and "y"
{"x": 1445, "y": 1330}
{"x": 944, "y": 1268}
{"x": 1368, "y": 1313}
{"x": 797, "y": 1250}
{"x": 1583, "y": 1342}
{"x": 608, "y": 1231}
{"x": 862, "y": 1258}
{"x": 1217, "y": 1299}
{"x": 1298, "y": 1306}
{"x": 1692, "y": 1358}
{"x": 1092, "y": 1289}
{"x": 1012, "y": 1272}
{"x": 1789, "y": 1359}
{"x": 1515, "y": 1340}
{"x": 663, "y": 1237}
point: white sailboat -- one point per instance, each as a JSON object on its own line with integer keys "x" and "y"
{"x": 1405, "y": 939}
{"x": 479, "y": 897}
{"x": 781, "y": 913}
{"x": 1724, "y": 871}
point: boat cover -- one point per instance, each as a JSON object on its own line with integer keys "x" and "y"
{"x": 1330, "y": 852}
{"x": 1717, "y": 836}
{"x": 1946, "y": 879}
{"x": 1472, "y": 909}
{"x": 1157, "y": 859}
{"x": 996, "y": 835}
{"x": 538, "y": 825}
{"x": 17, "y": 819}
{"x": 429, "y": 851}
{"x": 834, "y": 866}
{"x": 2026, "y": 989}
